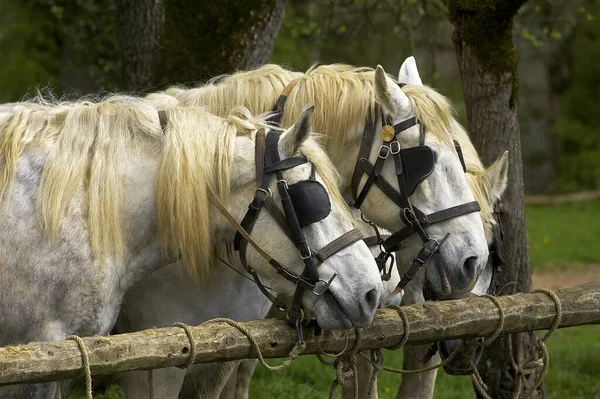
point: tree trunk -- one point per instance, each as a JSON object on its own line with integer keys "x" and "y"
{"x": 488, "y": 66}
{"x": 139, "y": 25}
{"x": 206, "y": 38}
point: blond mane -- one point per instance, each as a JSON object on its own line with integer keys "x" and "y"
{"x": 350, "y": 93}
{"x": 87, "y": 145}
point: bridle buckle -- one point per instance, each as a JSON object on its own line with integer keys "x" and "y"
{"x": 395, "y": 147}
{"x": 309, "y": 255}
{"x": 384, "y": 151}
{"x": 267, "y": 191}
{"x": 319, "y": 293}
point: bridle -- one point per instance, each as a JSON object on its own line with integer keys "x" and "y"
{"x": 291, "y": 220}
{"x": 294, "y": 217}
{"x": 412, "y": 166}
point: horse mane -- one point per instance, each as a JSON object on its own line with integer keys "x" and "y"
{"x": 86, "y": 145}
{"x": 256, "y": 89}
{"x": 477, "y": 178}
{"x": 337, "y": 87}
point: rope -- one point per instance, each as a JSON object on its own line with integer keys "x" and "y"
{"x": 150, "y": 384}
{"x": 298, "y": 348}
{"x": 530, "y": 367}
{"x": 86, "y": 364}
{"x": 345, "y": 367}
{"x": 404, "y": 324}
{"x": 377, "y": 362}
{"x": 192, "y": 355}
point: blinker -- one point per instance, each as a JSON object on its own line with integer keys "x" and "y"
{"x": 310, "y": 200}
{"x": 417, "y": 165}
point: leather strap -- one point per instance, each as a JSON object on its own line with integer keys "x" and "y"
{"x": 259, "y": 155}
{"x": 287, "y": 163}
{"x": 405, "y": 124}
{"x": 391, "y": 244}
{"x": 339, "y": 243}
{"x": 364, "y": 151}
{"x": 429, "y": 249}
{"x": 460, "y": 155}
{"x": 278, "y": 108}
{"x": 374, "y": 240}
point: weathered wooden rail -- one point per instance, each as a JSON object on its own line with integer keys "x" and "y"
{"x": 164, "y": 347}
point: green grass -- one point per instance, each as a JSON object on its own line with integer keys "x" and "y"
{"x": 560, "y": 237}
{"x": 574, "y": 372}
{"x": 563, "y": 236}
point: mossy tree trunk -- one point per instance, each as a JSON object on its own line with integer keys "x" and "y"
{"x": 139, "y": 25}
{"x": 165, "y": 42}
{"x": 488, "y": 65}
{"x": 206, "y": 38}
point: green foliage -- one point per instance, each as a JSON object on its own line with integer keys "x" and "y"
{"x": 53, "y": 42}
{"x": 29, "y": 47}
{"x": 579, "y": 131}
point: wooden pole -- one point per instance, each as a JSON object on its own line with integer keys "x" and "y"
{"x": 165, "y": 347}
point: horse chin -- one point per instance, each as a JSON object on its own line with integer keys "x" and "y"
{"x": 464, "y": 361}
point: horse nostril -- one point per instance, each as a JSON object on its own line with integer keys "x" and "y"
{"x": 372, "y": 299}
{"x": 469, "y": 268}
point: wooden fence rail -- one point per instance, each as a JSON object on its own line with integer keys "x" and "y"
{"x": 164, "y": 347}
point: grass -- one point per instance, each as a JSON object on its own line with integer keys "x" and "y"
{"x": 573, "y": 373}
{"x": 563, "y": 236}
{"x": 560, "y": 237}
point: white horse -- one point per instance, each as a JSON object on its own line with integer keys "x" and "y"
{"x": 348, "y": 94}
{"x": 96, "y": 195}
{"x": 238, "y": 384}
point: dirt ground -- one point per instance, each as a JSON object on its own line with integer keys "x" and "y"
{"x": 567, "y": 278}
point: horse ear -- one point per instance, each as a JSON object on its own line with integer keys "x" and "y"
{"x": 297, "y": 134}
{"x": 390, "y": 96}
{"x": 497, "y": 175}
{"x": 409, "y": 74}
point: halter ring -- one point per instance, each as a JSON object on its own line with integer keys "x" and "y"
{"x": 326, "y": 285}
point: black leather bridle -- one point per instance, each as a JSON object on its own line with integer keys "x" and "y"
{"x": 269, "y": 166}
{"x": 410, "y": 171}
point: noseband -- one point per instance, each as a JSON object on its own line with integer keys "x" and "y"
{"x": 297, "y": 213}
{"x": 412, "y": 166}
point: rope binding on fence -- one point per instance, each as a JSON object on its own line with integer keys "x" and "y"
{"x": 345, "y": 363}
